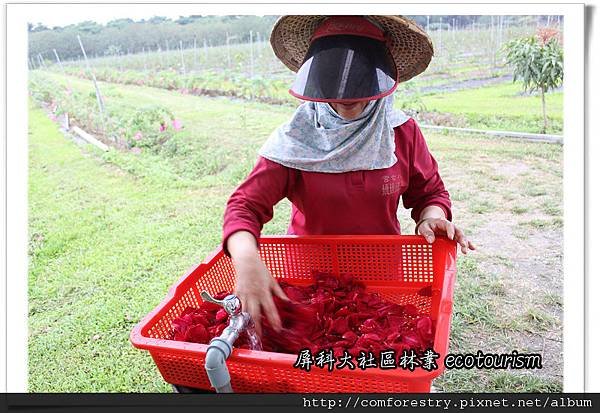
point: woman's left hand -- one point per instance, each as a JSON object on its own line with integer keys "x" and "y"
{"x": 430, "y": 227}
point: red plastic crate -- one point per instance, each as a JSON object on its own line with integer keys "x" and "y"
{"x": 396, "y": 266}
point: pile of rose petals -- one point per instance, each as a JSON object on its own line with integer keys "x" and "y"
{"x": 334, "y": 312}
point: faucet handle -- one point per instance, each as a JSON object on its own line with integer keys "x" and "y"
{"x": 231, "y": 304}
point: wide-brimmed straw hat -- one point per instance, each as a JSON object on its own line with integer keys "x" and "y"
{"x": 410, "y": 47}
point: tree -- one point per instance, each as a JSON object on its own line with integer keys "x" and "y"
{"x": 89, "y": 26}
{"x": 538, "y": 62}
{"x": 158, "y": 20}
{"x": 39, "y": 28}
{"x": 113, "y": 50}
{"x": 119, "y": 23}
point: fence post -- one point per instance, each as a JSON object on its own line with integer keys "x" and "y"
{"x": 40, "y": 61}
{"x": 144, "y": 57}
{"x": 440, "y": 35}
{"x": 501, "y": 26}
{"x": 195, "y": 55}
{"x": 181, "y": 51}
{"x": 228, "y": 54}
{"x": 61, "y": 66}
{"x": 98, "y": 95}
{"x": 453, "y": 29}
{"x": 492, "y": 43}
{"x": 160, "y": 55}
{"x": 251, "y": 56}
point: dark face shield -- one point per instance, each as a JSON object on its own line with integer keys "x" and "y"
{"x": 344, "y": 68}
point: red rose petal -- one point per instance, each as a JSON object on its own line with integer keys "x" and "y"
{"x": 197, "y": 334}
{"x": 410, "y": 310}
{"x": 221, "y": 315}
{"x": 332, "y": 313}
{"x": 339, "y": 326}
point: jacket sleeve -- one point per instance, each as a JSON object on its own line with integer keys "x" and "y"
{"x": 425, "y": 185}
{"x": 251, "y": 204}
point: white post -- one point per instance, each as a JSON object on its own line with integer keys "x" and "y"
{"x": 228, "y": 54}
{"x": 98, "y": 95}
{"x": 259, "y": 54}
{"x": 62, "y": 68}
{"x": 440, "y": 35}
{"x": 160, "y": 55}
{"x": 181, "y": 51}
{"x": 145, "y": 57}
{"x": 494, "y": 47}
{"x": 195, "y": 54}
{"x": 453, "y": 29}
{"x": 500, "y": 35}
{"x": 205, "y": 52}
{"x": 427, "y": 23}
{"x": 251, "y": 56}
{"x": 59, "y": 62}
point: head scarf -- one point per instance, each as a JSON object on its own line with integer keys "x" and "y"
{"x": 318, "y": 139}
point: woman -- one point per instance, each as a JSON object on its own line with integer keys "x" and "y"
{"x": 346, "y": 157}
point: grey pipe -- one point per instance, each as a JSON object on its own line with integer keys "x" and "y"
{"x": 220, "y": 349}
{"x": 216, "y": 368}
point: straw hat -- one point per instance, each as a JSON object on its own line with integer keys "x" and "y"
{"x": 409, "y": 45}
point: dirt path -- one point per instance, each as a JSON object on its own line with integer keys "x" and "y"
{"x": 509, "y": 293}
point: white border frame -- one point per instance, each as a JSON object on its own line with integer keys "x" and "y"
{"x": 16, "y": 226}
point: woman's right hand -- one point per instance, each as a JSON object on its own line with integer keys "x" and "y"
{"x": 255, "y": 286}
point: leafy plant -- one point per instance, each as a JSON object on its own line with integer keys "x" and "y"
{"x": 538, "y": 62}
{"x": 408, "y": 98}
{"x": 150, "y": 126}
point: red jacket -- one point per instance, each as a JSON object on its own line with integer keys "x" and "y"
{"x": 358, "y": 202}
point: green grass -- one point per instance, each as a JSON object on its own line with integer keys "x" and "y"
{"x": 518, "y": 210}
{"x": 501, "y": 107}
{"x": 491, "y": 381}
{"x": 543, "y": 223}
{"x": 106, "y": 243}
{"x": 539, "y": 320}
{"x": 110, "y": 233}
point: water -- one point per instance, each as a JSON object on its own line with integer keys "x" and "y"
{"x": 255, "y": 343}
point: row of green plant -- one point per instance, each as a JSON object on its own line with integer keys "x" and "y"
{"x": 148, "y": 126}
{"x": 204, "y": 83}
{"x": 479, "y": 48}
{"x": 227, "y": 84}
{"x": 460, "y": 108}
{"x": 536, "y": 60}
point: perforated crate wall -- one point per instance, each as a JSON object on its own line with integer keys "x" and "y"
{"x": 396, "y": 267}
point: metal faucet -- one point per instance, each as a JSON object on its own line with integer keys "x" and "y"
{"x": 220, "y": 348}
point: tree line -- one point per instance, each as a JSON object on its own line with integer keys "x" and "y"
{"x": 124, "y": 36}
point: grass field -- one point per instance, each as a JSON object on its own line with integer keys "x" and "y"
{"x": 502, "y": 107}
{"x": 109, "y": 233}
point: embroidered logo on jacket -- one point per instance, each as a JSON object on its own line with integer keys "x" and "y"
{"x": 391, "y": 184}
